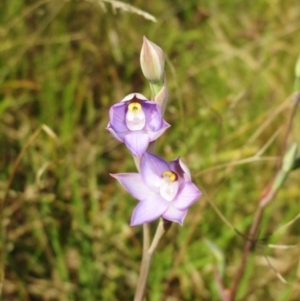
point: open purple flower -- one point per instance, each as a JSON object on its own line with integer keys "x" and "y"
{"x": 136, "y": 121}
{"x": 163, "y": 190}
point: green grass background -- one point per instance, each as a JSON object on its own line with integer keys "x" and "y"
{"x": 230, "y": 70}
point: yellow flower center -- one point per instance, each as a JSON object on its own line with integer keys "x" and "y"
{"x": 170, "y": 176}
{"x": 135, "y": 117}
{"x": 134, "y": 107}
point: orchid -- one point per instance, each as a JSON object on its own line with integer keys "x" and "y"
{"x": 163, "y": 189}
{"x": 136, "y": 122}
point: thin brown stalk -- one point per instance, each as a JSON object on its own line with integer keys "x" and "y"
{"x": 268, "y": 195}
{"x": 218, "y": 279}
{"x": 247, "y": 248}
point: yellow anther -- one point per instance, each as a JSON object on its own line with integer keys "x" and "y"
{"x": 170, "y": 176}
{"x": 134, "y": 107}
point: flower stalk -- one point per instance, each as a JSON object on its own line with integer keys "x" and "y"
{"x": 164, "y": 190}
{"x": 159, "y": 94}
{"x": 162, "y": 229}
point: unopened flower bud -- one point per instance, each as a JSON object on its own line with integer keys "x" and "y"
{"x": 152, "y": 61}
{"x": 290, "y": 158}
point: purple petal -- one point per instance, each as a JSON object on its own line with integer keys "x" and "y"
{"x": 137, "y": 142}
{"x": 134, "y": 184}
{"x": 154, "y": 135}
{"x": 152, "y": 169}
{"x": 117, "y": 114}
{"x": 148, "y": 210}
{"x": 175, "y": 215}
{"x": 153, "y": 115}
{"x": 118, "y": 137}
{"x": 187, "y": 195}
{"x": 181, "y": 169}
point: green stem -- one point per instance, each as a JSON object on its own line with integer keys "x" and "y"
{"x": 155, "y": 88}
{"x": 161, "y": 230}
{"x": 163, "y": 225}
{"x": 146, "y": 236}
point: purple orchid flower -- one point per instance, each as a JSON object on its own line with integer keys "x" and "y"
{"x": 163, "y": 190}
{"x": 136, "y": 122}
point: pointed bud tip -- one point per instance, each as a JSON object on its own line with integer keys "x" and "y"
{"x": 297, "y": 68}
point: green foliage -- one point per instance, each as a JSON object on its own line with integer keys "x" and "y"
{"x": 230, "y": 69}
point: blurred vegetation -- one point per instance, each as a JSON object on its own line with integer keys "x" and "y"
{"x": 230, "y": 69}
